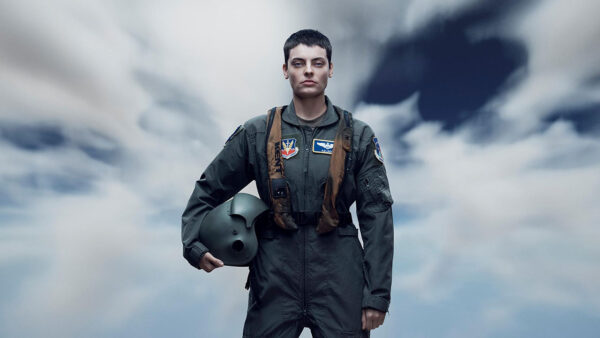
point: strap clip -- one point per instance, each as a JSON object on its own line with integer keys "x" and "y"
{"x": 278, "y": 188}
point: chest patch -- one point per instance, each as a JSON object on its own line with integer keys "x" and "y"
{"x": 322, "y": 146}
{"x": 289, "y": 148}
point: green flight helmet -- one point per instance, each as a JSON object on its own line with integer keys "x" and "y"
{"x": 228, "y": 230}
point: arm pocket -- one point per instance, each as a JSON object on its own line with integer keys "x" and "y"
{"x": 375, "y": 189}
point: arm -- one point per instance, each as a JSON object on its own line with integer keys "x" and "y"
{"x": 374, "y": 213}
{"x": 227, "y": 174}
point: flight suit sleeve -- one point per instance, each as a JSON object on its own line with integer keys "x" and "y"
{"x": 374, "y": 211}
{"x": 226, "y": 175}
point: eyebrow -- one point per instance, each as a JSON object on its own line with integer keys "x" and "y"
{"x": 302, "y": 59}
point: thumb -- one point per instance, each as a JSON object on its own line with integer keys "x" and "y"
{"x": 216, "y": 261}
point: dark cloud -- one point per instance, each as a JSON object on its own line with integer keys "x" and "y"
{"x": 454, "y": 73}
{"x": 35, "y": 137}
{"x": 101, "y": 148}
{"x": 586, "y": 120}
{"x": 39, "y": 137}
{"x": 66, "y": 182}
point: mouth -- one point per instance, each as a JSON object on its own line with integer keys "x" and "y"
{"x": 308, "y": 82}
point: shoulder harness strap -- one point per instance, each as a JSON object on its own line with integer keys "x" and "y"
{"x": 340, "y": 158}
{"x": 278, "y": 188}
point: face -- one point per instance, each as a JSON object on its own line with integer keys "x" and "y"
{"x": 308, "y": 70}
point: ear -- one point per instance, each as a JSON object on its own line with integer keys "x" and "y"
{"x": 285, "y": 71}
{"x": 331, "y": 69}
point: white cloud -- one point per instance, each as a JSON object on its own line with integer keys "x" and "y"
{"x": 68, "y": 62}
{"x": 520, "y": 211}
{"x": 100, "y": 262}
{"x": 77, "y": 65}
{"x": 562, "y": 52}
{"x": 419, "y": 13}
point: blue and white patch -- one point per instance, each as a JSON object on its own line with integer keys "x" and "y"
{"x": 322, "y": 146}
{"x": 235, "y": 132}
{"x": 289, "y": 148}
{"x": 377, "y": 151}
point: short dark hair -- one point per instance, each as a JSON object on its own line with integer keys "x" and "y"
{"x": 309, "y": 37}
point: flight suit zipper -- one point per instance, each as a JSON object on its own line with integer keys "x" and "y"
{"x": 305, "y": 171}
{"x": 304, "y": 272}
{"x": 306, "y": 202}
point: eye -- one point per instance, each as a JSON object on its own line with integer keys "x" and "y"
{"x": 319, "y": 64}
{"x": 297, "y": 64}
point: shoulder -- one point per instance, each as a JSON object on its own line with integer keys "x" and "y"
{"x": 257, "y": 123}
{"x": 360, "y": 127}
{"x": 363, "y": 133}
{"x": 367, "y": 143}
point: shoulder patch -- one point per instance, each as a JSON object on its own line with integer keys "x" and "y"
{"x": 322, "y": 146}
{"x": 377, "y": 151}
{"x": 235, "y": 132}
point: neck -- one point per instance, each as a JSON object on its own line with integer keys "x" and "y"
{"x": 311, "y": 107}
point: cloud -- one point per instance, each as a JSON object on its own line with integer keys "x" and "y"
{"x": 68, "y": 66}
{"x": 419, "y": 13}
{"x": 135, "y": 131}
{"x": 140, "y": 96}
{"x": 561, "y": 61}
{"x": 99, "y": 261}
{"x": 519, "y": 207}
{"x": 521, "y": 212}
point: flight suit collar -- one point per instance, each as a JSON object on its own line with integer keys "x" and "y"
{"x": 289, "y": 114}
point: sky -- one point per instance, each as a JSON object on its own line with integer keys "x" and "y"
{"x": 488, "y": 114}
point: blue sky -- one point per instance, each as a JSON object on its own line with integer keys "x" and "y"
{"x": 487, "y": 112}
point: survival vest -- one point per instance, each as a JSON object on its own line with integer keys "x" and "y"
{"x": 278, "y": 189}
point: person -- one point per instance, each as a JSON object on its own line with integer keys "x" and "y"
{"x": 311, "y": 161}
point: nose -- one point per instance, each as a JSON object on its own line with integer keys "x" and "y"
{"x": 308, "y": 69}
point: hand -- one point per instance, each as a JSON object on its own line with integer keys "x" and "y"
{"x": 209, "y": 262}
{"x": 372, "y": 319}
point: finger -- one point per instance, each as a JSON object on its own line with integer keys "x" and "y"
{"x": 209, "y": 266}
{"x": 369, "y": 321}
{"x": 381, "y": 319}
{"x": 215, "y": 261}
{"x": 375, "y": 320}
{"x": 364, "y": 320}
{"x": 204, "y": 261}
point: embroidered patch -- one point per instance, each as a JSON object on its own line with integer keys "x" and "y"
{"x": 322, "y": 146}
{"x": 235, "y": 132}
{"x": 377, "y": 151}
{"x": 288, "y": 148}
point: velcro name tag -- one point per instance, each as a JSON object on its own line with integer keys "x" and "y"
{"x": 322, "y": 146}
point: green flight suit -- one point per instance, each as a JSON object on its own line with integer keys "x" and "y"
{"x": 300, "y": 278}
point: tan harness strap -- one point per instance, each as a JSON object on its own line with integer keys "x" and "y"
{"x": 330, "y": 219}
{"x": 278, "y": 188}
